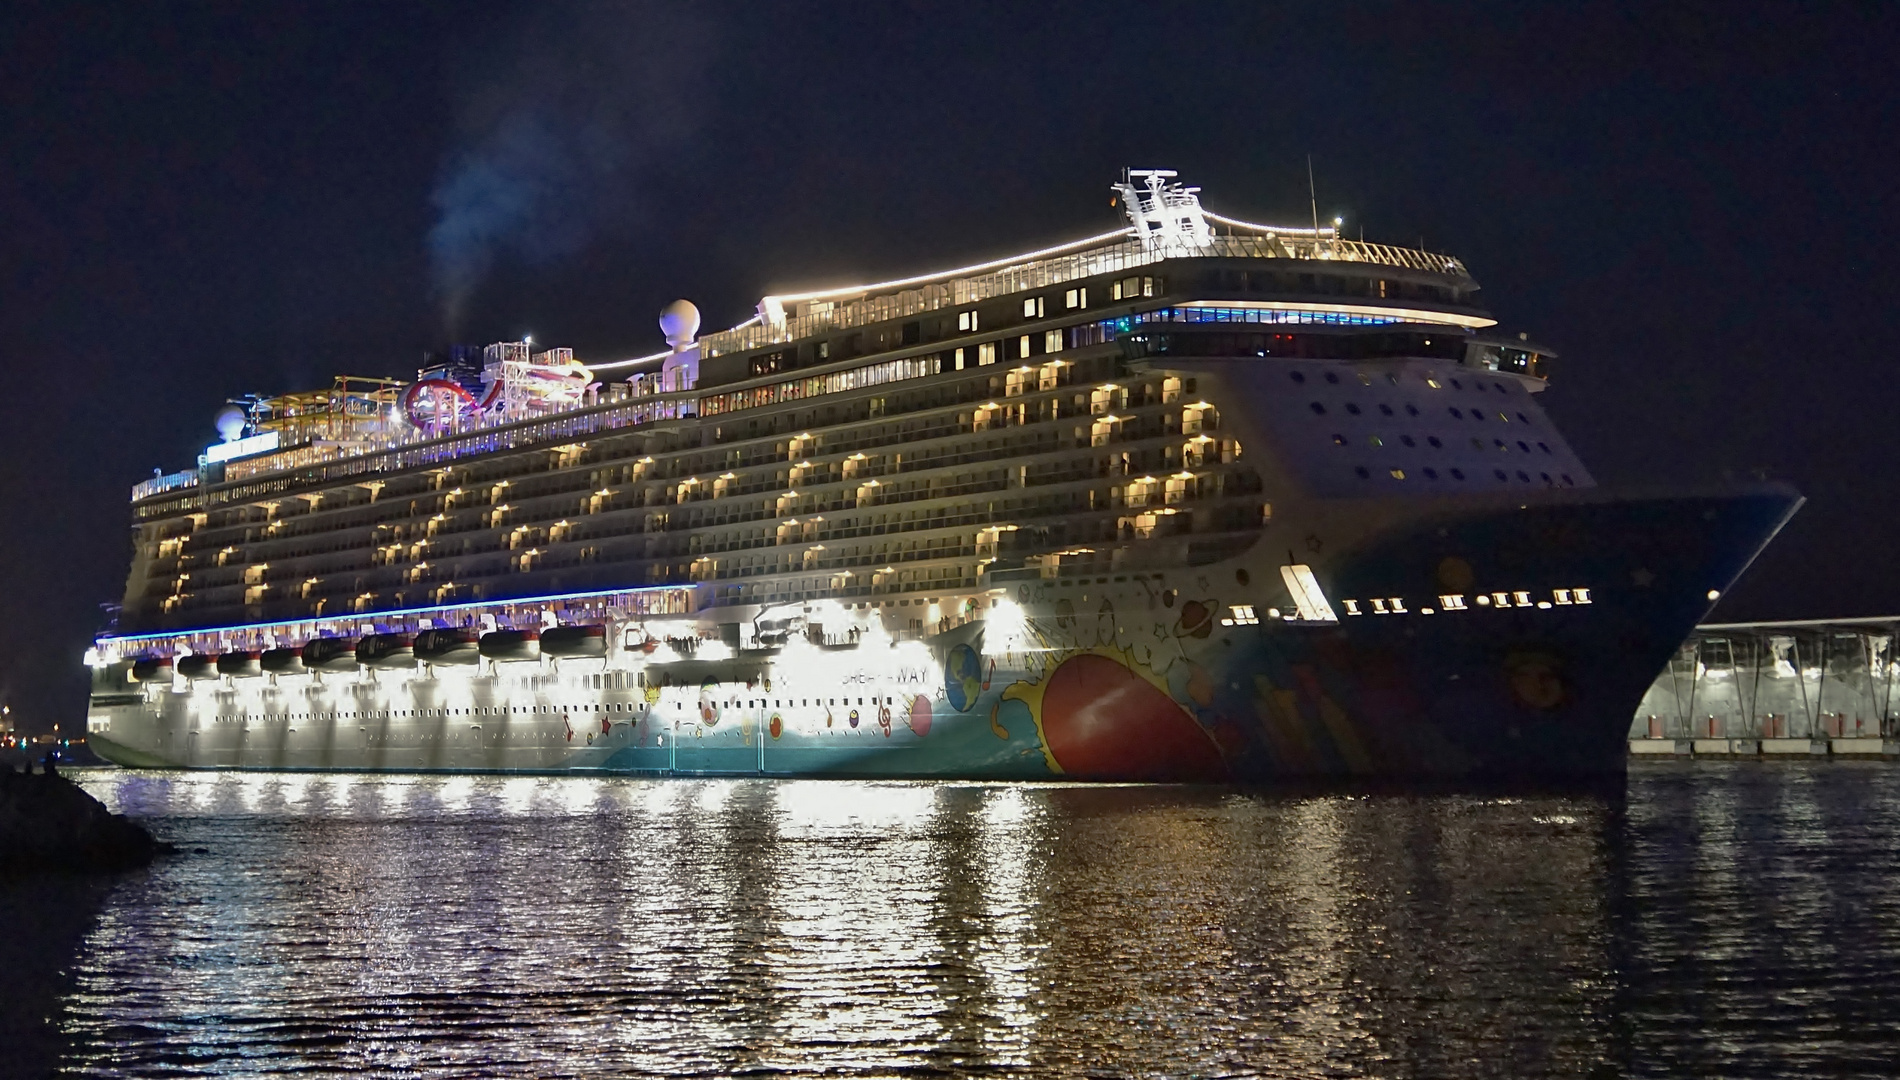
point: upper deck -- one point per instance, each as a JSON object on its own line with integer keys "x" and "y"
{"x": 1299, "y": 272}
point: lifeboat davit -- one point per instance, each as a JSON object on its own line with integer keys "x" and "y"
{"x": 330, "y": 654}
{"x": 509, "y": 645}
{"x": 199, "y": 666}
{"x": 152, "y": 669}
{"x": 240, "y": 665}
{"x": 449, "y": 646}
{"x": 387, "y": 651}
{"x": 282, "y": 662}
{"x": 574, "y": 641}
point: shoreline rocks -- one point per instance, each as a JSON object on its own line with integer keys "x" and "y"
{"x": 47, "y": 822}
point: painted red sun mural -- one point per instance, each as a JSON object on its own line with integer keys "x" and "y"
{"x": 1100, "y": 718}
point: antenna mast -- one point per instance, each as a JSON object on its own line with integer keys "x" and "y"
{"x": 1312, "y": 193}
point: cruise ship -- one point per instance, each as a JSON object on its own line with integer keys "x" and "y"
{"x": 1194, "y": 499}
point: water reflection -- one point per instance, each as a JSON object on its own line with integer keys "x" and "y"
{"x": 571, "y": 925}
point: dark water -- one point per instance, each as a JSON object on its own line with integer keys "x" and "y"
{"x": 1719, "y": 920}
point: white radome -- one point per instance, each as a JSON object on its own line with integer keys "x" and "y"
{"x": 679, "y": 321}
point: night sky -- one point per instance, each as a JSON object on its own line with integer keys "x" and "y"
{"x": 1694, "y": 204}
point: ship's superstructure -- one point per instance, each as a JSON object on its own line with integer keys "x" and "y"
{"x": 1195, "y": 498}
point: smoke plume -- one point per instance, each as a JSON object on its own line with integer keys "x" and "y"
{"x": 564, "y": 131}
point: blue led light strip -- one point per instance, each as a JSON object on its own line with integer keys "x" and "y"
{"x": 371, "y": 616}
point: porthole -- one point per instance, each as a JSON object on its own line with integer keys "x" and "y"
{"x": 1523, "y": 476}
{"x": 1299, "y": 376}
{"x": 1476, "y": 415}
{"x": 1567, "y": 481}
{"x": 1332, "y": 377}
{"x": 1375, "y": 440}
{"x": 1501, "y": 388}
{"x": 1411, "y": 410}
{"x": 1457, "y": 474}
{"x": 1477, "y": 444}
{"x": 1318, "y": 409}
{"x": 1352, "y": 408}
{"x": 1431, "y": 474}
{"x": 1545, "y": 476}
{"x": 1456, "y": 413}
{"x": 1385, "y": 410}
{"x": 1524, "y": 446}
{"x": 1499, "y": 473}
{"x": 1339, "y": 440}
{"x": 1456, "y": 385}
{"x": 1241, "y": 576}
{"x": 1433, "y": 439}
{"x": 1522, "y": 419}
{"x": 1503, "y": 418}
{"x": 1501, "y": 447}
{"x": 1545, "y": 447}
{"x": 1398, "y": 474}
{"x": 1407, "y": 440}
{"x": 1364, "y": 473}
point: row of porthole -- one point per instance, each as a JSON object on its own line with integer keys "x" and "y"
{"x": 1459, "y": 474}
{"x": 1366, "y": 380}
{"x": 1476, "y": 444}
{"x": 1412, "y": 410}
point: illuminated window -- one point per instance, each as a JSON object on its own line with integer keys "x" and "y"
{"x": 1375, "y": 440}
{"x": 1398, "y": 474}
{"x": 966, "y": 321}
{"x": 1339, "y": 440}
{"x": 986, "y": 354}
{"x": 1022, "y": 347}
{"x": 1076, "y": 298}
{"x": 1052, "y": 341}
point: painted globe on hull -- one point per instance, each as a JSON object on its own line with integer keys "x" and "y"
{"x": 962, "y": 677}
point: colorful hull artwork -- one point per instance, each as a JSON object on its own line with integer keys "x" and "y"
{"x": 1486, "y": 640}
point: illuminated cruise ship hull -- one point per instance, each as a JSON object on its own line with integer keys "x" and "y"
{"x": 1169, "y": 503}
{"x": 1123, "y": 677}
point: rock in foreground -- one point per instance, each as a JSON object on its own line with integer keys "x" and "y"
{"x": 47, "y": 822}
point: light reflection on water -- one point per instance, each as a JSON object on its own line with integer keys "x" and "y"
{"x": 531, "y": 926}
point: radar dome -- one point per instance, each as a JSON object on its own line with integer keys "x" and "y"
{"x": 679, "y": 321}
{"x": 230, "y": 423}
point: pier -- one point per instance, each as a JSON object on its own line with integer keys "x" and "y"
{"x": 1810, "y": 688}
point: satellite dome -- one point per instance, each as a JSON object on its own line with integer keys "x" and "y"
{"x": 230, "y": 423}
{"x": 679, "y": 321}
